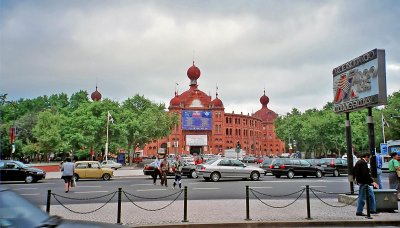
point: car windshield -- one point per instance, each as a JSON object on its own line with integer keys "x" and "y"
{"x": 20, "y": 164}
{"x": 211, "y": 161}
{"x": 16, "y": 211}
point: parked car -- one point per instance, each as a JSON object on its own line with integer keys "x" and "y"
{"x": 294, "y": 167}
{"x": 91, "y": 170}
{"x": 16, "y": 211}
{"x": 227, "y": 168}
{"x": 188, "y": 170}
{"x": 265, "y": 165}
{"x": 334, "y": 166}
{"x": 249, "y": 159}
{"x": 17, "y": 171}
{"x": 111, "y": 164}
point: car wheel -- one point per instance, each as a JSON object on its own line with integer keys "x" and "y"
{"x": 106, "y": 176}
{"x": 76, "y": 177}
{"x": 29, "y": 179}
{"x": 336, "y": 173}
{"x": 255, "y": 176}
{"x": 278, "y": 176}
{"x": 318, "y": 174}
{"x": 265, "y": 173}
{"x": 290, "y": 174}
{"x": 193, "y": 174}
{"x": 215, "y": 176}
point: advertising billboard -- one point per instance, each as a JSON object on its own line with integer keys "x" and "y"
{"x": 196, "y": 120}
{"x": 196, "y": 140}
{"x": 360, "y": 83}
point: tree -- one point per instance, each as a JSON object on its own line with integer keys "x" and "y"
{"x": 48, "y": 132}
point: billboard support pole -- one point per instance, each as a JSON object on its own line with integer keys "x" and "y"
{"x": 371, "y": 142}
{"x": 349, "y": 152}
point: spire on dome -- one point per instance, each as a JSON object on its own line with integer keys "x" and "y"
{"x": 96, "y": 95}
{"x": 264, "y": 100}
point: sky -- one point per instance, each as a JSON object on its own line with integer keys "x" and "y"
{"x": 287, "y": 48}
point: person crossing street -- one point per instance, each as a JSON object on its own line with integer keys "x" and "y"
{"x": 178, "y": 165}
{"x": 164, "y": 171}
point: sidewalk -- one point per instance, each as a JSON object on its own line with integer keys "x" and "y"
{"x": 223, "y": 213}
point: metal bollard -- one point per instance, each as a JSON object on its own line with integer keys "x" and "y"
{"x": 185, "y": 205}
{"x": 367, "y": 199}
{"x": 48, "y": 201}
{"x": 247, "y": 204}
{"x": 119, "y": 206}
{"x": 308, "y": 202}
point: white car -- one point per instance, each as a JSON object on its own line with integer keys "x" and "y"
{"x": 111, "y": 164}
{"x": 228, "y": 168}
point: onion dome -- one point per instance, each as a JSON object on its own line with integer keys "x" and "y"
{"x": 96, "y": 95}
{"x": 217, "y": 103}
{"x": 175, "y": 101}
{"x": 193, "y": 72}
{"x": 264, "y": 100}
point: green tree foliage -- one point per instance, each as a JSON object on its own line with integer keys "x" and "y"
{"x": 66, "y": 126}
{"x": 323, "y": 131}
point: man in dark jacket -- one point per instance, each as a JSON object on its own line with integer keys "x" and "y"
{"x": 364, "y": 180}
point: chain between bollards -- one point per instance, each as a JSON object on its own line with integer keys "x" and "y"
{"x": 185, "y": 205}
{"x": 308, "y": 202}
{"x": 48, "y": 201}
{"x": 247, "y": 204}
{"x": 119, "y": 206}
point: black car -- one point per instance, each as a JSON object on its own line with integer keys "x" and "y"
{"x": 334, "y": 166}
{"x": 17, "y": 171}
{"x": 187, "y": 169}
{"x": 16, "y": 211}
{"x": 266, "y": 166}
{"x": 294, "y": 167}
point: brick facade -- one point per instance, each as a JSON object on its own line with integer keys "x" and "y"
{"x": 255, "y": 132}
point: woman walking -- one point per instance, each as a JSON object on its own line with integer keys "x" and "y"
{"x": 67, "y": 169}
{"x": 393, "y": 178}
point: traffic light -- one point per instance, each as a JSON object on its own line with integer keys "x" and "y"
{"x": 238, "y": 146}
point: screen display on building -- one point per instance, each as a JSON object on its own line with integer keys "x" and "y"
{"x": 360, "y": 83}
{"x": 196, "y": 120}
{"x": 196, "y": 140}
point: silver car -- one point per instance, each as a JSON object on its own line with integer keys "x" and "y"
{"x": 227, "y": 168}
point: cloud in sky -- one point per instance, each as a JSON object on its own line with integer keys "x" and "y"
{"x": 145, "y": 47}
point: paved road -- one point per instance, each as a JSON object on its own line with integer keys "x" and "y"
{"x": 198, "y": 189}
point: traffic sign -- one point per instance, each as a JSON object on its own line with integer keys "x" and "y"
{"x": 384, "y": 150}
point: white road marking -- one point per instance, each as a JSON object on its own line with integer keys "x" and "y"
{"x": 141, "y": 184}
{"x": 205, "y": 188}
{"x": 90, "y": 192}
{"x": 19, "y": 189}
{"x": 148, "y": 190}
{"x": 314, "y": 186}
{"x": 79, "y": 186}
{"x": 32, "y": 194}
{"x": 261, "y": 187}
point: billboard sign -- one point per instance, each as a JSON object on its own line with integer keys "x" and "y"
{"x": 196, "y": 140}
{"x": 196, "y": 120}
{"x": 360, "y": 83}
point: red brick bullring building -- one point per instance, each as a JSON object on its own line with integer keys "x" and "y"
{"x": 205, "y": 128}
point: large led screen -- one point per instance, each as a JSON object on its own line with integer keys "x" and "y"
{"x": 196, "y": 120}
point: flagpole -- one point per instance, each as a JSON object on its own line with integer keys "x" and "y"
{"x": 108, "y": 121}
{"x": 383, "y": 128}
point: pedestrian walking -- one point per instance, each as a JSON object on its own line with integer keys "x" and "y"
{"x": 379, "y": 163}
{"x": 164, "y": 171}
{"x": 177, "y": 167}
{"x": 67, "y": 169}
{"x": 157, "y": 169}
{"x": 364, "y": 180}
{"x": 394, "y": 180}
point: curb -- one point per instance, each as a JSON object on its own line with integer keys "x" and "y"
{"x": 250, "y": 224}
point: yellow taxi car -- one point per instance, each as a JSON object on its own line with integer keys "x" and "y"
{"x": 91, "y": 170}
